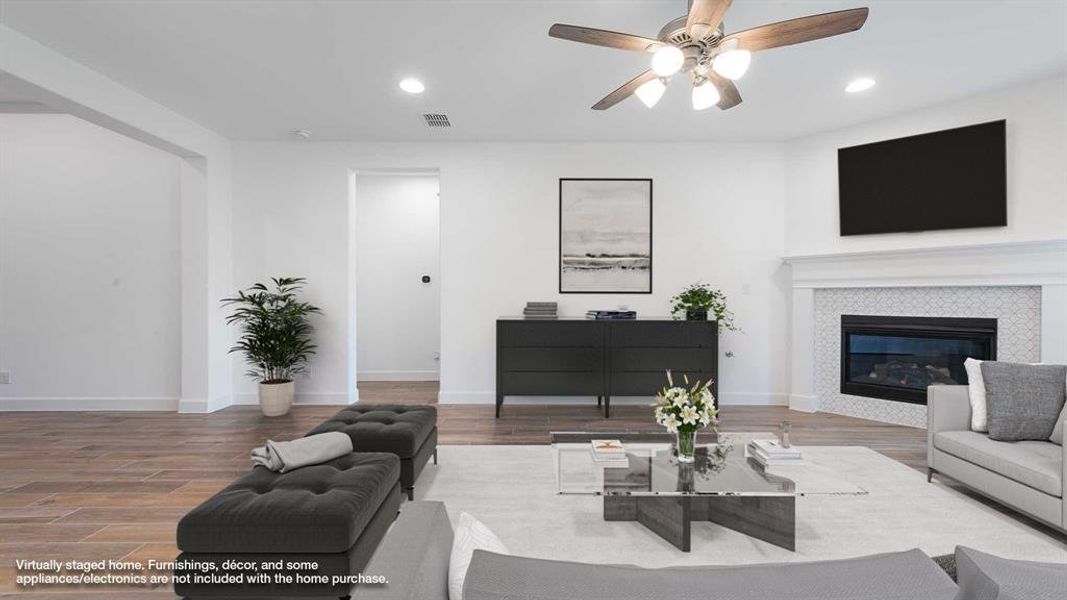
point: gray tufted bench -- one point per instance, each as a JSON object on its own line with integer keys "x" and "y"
{"x": 333, "y": 514}
{"x": 408, "y": 431}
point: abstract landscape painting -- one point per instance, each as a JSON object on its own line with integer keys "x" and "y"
{"x": 605, "y": 236}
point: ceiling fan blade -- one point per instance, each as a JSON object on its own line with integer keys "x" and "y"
{"x": 705, "y": 16}
{"x": 796, "y": 31}
{"x": 602, "y": 37}
{"x": 625, "y": 90}
{"x": 729, "y": 97}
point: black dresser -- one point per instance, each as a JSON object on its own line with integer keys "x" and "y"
{"x": 605, "y": 358}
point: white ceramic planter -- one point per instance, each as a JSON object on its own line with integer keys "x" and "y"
{"x": 275, "y": 398}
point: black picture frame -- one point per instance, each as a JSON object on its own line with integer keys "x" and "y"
{"x": 650, "y": 237}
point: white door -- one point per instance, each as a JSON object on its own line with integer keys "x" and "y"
{"x": 397, "y": 289}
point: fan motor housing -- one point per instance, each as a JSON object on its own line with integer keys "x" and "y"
{"x": 675, "y": 34}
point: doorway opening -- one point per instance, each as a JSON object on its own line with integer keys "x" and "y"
{"x": 396, "y": 229}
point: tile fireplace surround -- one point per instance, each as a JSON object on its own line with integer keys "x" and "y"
{"x": 1022, "y": 285}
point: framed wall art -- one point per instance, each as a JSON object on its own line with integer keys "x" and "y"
{"x": 605, "y": 236}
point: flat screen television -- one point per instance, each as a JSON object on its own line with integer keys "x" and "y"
{"x": 950, "y": 179}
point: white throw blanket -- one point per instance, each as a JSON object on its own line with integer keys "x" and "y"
{"x": 311, "y": 450}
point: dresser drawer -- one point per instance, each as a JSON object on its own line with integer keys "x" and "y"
{"x": 649, "y": 383}
{"x": 661, "y": 359}
{"x": 550, "y": 359}
{"x": 549, "y": 334}
{"x": 658, "y": 334}
{"x": 551, "y": 383}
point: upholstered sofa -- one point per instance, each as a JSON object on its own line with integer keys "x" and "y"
{"x": 414, "y": 560}
{"x": 1027, "y": 476}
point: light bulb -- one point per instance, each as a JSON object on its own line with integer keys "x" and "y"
{"x": 732, "y": 64}
{"x": 651, "y": 91}
{"x": 705, "y": 95}
{"x": 667, "y": 60}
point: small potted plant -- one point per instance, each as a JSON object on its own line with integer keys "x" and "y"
{"x": 697, "y": 300}
{"x": 684, "y": 411}
{"x": 275, "y": 339}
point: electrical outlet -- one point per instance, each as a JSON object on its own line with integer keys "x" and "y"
{"x": 5, "y": 377}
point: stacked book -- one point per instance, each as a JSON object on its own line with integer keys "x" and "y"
{"x": 609, "y": 453}
{"x": 611, "y": 314}
{"x": 770, "y": 453}
{"x": 539, "y": 310}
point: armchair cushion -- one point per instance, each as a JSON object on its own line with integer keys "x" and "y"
{"x": 1036, "y": 464}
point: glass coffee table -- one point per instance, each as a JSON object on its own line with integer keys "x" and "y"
{"x": 723, "y": 485}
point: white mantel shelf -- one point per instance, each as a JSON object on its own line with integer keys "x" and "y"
{"x": 1042, "y": 262}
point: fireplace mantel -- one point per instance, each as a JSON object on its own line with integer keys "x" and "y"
{"x": 1041, "y": 263}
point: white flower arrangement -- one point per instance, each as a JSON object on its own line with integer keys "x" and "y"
{"x": 680, "y": 408}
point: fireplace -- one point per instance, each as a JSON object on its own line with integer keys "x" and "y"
{"x": 896, "y": 358}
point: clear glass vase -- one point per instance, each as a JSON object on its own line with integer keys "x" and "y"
{"x": 687, "y": 445}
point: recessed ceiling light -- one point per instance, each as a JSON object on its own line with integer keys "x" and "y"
{"x": 412, "y": 85}
{"x": 858, "y": 85}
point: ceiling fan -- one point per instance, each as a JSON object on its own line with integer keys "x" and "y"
{"x": 695, "y": 45}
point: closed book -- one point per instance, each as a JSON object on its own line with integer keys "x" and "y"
{"x": 608, "y": 449}
{"x": 773, "y": 449}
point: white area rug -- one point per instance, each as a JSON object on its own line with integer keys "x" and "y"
{"x": 512, "y": 490}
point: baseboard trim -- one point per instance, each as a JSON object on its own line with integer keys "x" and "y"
{"x": 195, "y": 406}
{"x": 304, "y": 399}
{"x": 398, "y": 376}
{"x": 88, "y": 403}
{"x": 725, "y": 399}
{"x": 803, "y": 403}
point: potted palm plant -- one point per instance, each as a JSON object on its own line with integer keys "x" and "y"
{"x": 275, "y": 338}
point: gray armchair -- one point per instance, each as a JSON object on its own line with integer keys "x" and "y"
{"x": 1027, "y": 476}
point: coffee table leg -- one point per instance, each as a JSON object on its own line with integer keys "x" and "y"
{"x": 768, "y": 518}
{"x": 666, "y": 516}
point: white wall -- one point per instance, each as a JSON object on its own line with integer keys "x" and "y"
{"x": 1036, "y": 116}
{"x": 719, "y": 217}
{"x": 35, "y": 71}
{"x": 397, "y": 242}
{"x": 89, "y": 267}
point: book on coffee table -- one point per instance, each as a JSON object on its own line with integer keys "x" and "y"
{"x": 609, "y": 453}
{"x": 770, "y": 453}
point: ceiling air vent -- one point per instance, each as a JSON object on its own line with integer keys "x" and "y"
{"x": 436, "y": 120}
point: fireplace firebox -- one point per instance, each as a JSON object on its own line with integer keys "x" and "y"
{"x": 897, "y": 358}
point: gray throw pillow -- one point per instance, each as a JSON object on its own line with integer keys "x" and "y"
{"x": 983, "y": 576}
{"x": 1023, "y": 401}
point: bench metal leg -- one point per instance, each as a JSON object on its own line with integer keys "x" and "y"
{"x": 411, "y": 493}
{"x": 435, "y": 456}
{"x": 930, "y": 475}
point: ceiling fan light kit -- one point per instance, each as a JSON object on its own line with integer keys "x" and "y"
{"x": 705, "y": 95}
{"x": 696, "y": 45}
{"x": 650, "y": 92}
{"x": 732, "y": 64}
{"x": 667, "y": 61}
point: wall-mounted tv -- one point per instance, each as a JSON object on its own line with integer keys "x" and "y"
{"x": 950, "y": 179}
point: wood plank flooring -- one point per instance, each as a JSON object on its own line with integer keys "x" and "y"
{"x": 114, "y": 485}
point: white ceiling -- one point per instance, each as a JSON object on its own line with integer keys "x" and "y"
{"x": 255, "y": 70}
